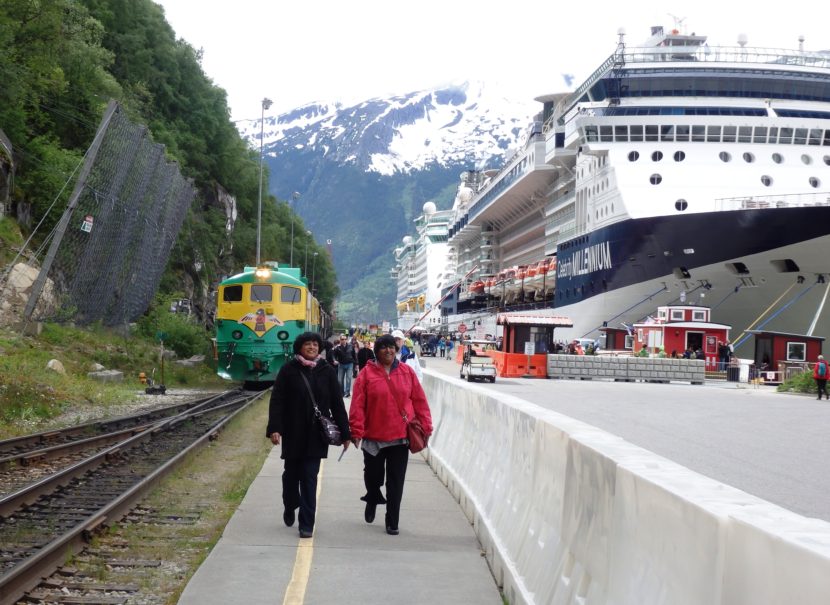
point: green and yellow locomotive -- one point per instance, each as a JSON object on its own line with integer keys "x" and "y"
{"x": 259, "y": 313}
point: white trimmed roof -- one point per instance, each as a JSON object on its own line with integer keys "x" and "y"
{"x": 535, "y": 320}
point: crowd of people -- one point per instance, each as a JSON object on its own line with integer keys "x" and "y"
{"x": 383, "y": 379}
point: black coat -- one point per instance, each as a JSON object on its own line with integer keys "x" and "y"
{"x": 291, "y": 413}
{"x": 364, "y": 355}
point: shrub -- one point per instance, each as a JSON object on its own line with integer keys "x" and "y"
{"x": 800, "y": 383}
{"x": 181, "y": 333}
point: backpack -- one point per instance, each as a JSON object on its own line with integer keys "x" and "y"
{"x": 821, "y": 370}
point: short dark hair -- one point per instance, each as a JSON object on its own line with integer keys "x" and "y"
{"x": 304, "y": 338}
{"x": 383, "y": 342}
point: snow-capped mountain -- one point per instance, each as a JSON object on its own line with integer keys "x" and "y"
{"x": 467, "y": 123}
{"x": 364, "y": 172}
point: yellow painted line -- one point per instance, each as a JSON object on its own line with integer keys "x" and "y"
{"x": 295, "y": 591}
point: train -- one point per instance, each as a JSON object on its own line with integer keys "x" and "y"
{"x": 259, "y": 314}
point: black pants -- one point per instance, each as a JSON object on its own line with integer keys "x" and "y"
{"x": 822, "y": 387}
{"x": 299, "y": 488}
{"x": 393, "y": 460}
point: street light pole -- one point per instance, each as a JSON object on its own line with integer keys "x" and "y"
{"x": 266, "y": 103}
{"x": 305, "y": 269}
{"x": 294, "y": 196}
{"x": 313, "y": 271}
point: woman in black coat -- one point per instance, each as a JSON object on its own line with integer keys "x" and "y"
{"x": 291, "y": 423}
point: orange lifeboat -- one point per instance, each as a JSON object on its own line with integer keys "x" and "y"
{"x": 477, "y": 287}
{"x": 552, "y": 267}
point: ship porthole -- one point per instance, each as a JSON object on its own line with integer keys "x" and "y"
{"x": 655, "y": 179}
{"x": 777, "y": 158}
{"x": 681, "y": 205}
{"x": 814, "y": 182}
{"x": 806, "y": 159}
{"x": 679, "y": 156}
{"x": 749, "y": 157}
{"x": 725, "y": 156}
{"x": 633, "y": 156}
{"x": 766, "y": 180}
{"x": 657, "y": 156}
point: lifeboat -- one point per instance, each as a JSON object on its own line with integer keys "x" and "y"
{"x": 550, "y": 276}
{"x": 535, "y": 274}
{"x": 513, "y": 282}
{"x": 477, "y": 287}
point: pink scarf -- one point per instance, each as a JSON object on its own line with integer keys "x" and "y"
{"x": 306, "y": 362}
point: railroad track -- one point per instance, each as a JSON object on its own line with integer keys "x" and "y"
{"x": 45, "y": 521}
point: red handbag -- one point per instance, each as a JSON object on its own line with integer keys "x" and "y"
{"x": 418, "y": 439}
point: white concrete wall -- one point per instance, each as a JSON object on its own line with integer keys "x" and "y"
{"x": 569, "y": 514}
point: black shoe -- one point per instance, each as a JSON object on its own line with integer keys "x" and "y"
{"x": 392, "y": 531}
{"x": 305, "y": 533}
{"x": 369, "y": 513}
{"x": 288, "y": 517}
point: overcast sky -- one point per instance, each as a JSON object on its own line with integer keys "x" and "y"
{"x": 330, "y": 50}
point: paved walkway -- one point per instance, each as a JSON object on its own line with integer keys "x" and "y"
{"x": 435, "y": 559}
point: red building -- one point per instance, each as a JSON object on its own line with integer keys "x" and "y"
{"x": 681, "y": 327}
{"x": 778, "y": 355}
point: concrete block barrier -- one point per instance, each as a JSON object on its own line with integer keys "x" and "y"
{"x": 585, "y": 367}
{"x": 568, "y": 514}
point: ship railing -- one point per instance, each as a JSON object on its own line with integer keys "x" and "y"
{"x": 692, "y": 54}
{"x": 757, "y": 202}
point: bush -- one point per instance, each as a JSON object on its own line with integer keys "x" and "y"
{"x": 801, "y": 383}
{"x": 181, "y": 333}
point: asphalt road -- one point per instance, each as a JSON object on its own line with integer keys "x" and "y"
{"x": 773, "y": 445}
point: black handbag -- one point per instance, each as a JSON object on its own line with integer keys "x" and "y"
{"x": 329, "y": 431}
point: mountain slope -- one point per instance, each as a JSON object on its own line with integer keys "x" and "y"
{"x": 364, "y": 172}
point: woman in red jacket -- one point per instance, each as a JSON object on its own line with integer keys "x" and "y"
{"x": 382, "y": 390}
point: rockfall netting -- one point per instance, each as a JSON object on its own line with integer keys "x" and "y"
{"x": 112, "y": 244}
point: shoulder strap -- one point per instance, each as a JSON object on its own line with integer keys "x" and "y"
{"x": 388, "y": 382}
{"x": 311, "y": 394}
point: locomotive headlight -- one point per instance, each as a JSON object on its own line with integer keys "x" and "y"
{"x": 262, "y": 273}
{"x": 237, "y": 334}
{"x": 282, "y": 334}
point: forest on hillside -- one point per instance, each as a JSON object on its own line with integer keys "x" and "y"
{"x": 61, "y": 61}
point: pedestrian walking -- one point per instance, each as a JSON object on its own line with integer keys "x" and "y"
{"x": 383, "y": 390}
{"x": 344, "y": 359}
{"x": 305, "y": 379}
{"x": 406, "y": 353}
{"x": 820, "y": 376}
{"x": 364, "y": 355}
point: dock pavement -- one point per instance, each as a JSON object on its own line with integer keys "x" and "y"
{"x": 258, "y": 560}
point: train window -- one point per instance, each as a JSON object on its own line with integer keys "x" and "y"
{"x": 232, "y": 294}
{"x": 261, "y": 293}
{"x": 290, "y": 295}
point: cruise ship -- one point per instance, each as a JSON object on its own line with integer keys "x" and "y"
{"x": 678, "y": 172}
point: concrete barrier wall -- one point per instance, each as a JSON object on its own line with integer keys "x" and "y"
{"x": 569, "y": 514}
{"x": 650, "y": 369}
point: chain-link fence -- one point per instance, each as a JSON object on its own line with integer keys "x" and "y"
{"x": 111, "y": 246}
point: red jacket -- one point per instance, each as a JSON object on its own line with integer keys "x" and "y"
{"x": 815, "y": 370}
{"x": 375, "y": 412}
